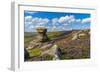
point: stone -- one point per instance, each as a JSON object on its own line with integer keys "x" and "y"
{"x": 42, "y": 36}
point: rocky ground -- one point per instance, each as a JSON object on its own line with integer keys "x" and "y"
{"x": 72, "y": 45}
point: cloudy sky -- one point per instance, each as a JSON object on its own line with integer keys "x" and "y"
{"x": 55, "y": 21}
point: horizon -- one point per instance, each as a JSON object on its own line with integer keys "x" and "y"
{"x": 57, "y": 31}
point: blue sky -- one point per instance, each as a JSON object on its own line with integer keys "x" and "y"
{"x": 55, "y": 21}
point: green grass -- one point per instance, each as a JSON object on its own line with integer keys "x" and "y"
{"x": 52, "y": 35}
{"x": 87, "y": 30}
{"x": 34, "y": 52}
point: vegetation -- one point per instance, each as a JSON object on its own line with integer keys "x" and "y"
{"x": 28, "y": 37}
{"x": 78, "y": 48}
{"x": 47, "y": 57}
{"x": 34, "y": 52}
{"x": 52, "y": 35}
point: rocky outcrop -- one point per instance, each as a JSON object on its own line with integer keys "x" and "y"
{"x": 26, "y": 54}
{"x": 42, "y": 36}
{"x": 76, "y": 35}
{"x": 49, "y": 49}
{"x": 75, "y": 45}
{"x": 40, "y": 40}
{"x": 53, "y": 51}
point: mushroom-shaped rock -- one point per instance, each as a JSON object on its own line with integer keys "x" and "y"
{"x": 42, "y": 36}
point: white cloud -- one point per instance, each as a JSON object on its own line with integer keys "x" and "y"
{"x": 54, "y": 20}
{"x": 28, "y": 21}
{"x": 86, "y": 20}
{"x": 28, "y": 18}
{"x": 31, "y": 27}
{"x": 40, "y": 21}
{"x": 54, "y": 23}
{"x": 78, "y": 20}
{"x": 63, "y": 19}
{"x": 32, "y": 23}
{"x": 65, "y": 24}
{"x": 36, "y": 21}
{"x": 67, "y": 19}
